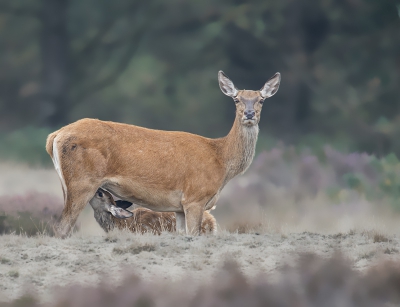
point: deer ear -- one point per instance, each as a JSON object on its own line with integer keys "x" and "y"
{"x": 226, "y": 85}
{"x": 123, "y": 204}
{"x": 119, "y": 212}
{"x": 271, "y": 86}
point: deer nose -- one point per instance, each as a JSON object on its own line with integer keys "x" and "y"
{"x": 249, "y": 114}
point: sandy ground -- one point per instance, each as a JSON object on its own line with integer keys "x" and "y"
{"x": 41, "y": 264}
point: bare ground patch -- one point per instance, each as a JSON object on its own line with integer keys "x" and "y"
{"x": 44, "y": 263}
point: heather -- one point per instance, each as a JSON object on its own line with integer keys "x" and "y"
{"x": 296, "y": 181}
{"x": 286, "y": 189}
{"x": 30, "y": 213}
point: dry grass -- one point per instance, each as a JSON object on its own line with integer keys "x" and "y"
{"x": 135, "y": 249}
{"x": 312, "y": 281}
{"x": 376, "y": 236}
{"x": 43, "y": 262}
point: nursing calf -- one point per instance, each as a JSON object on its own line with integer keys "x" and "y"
{"x": 110, "y": 216}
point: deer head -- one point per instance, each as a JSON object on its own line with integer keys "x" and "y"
{"x": 103, "y": 201}
{"x": 249, "y": 103}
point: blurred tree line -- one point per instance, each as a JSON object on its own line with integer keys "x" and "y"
{"x": 155, "y": 63}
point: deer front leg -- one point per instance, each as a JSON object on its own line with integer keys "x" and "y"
{"x": 193, "y": 217}
{"x": 180, "y": 222}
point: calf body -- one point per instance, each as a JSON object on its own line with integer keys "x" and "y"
{"x": 109, "y": 216}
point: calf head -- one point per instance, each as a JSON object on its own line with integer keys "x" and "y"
{"x": 103, "y": 201}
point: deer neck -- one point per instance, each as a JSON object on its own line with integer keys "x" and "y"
{"x": 105, "y": 220}
{"x": 239, "y": 148}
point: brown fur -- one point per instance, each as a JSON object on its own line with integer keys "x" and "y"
{"x": 156, "y": 222}
{"x": 143, "y": 220}
{"x": 160, "y": 170}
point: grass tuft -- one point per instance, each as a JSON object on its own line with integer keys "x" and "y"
{"x": 135, "y": 249}
{"x": 378, "y": 237}
{"x": 13, "y": 274}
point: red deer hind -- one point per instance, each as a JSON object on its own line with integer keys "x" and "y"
{"x": 166, "y": 171}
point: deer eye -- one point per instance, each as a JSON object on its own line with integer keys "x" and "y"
{"x": 100, "y": 194}
{"x": 236, "y": 100}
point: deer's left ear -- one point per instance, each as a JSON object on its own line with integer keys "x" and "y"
{"x": 226, "y": 85}
{"x": 123, "y": 204}
{"x": 271, "y": 86}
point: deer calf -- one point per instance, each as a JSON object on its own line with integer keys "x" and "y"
{"x": 110, "y": 216}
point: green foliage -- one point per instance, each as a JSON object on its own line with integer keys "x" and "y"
{"x": 386, "y": 183}
{"x": 353, "y": 181}
{"x": 150, "y": 64}
{"x": 25, "y": 145}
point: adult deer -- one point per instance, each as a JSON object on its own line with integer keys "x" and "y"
{"x": 161, "y": 170}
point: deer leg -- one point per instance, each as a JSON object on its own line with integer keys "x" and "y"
{"x": 180, "y": 222}
{"x": 75, "y": 201}
{"x": 193, "y": 217}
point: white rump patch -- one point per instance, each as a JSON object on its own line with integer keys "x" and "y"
{"x": 57, "y": 165}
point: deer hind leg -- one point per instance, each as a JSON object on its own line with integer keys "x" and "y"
{"x": 193, "y": 218}
{"x": 77, "y": 197}
{"x": 80, "y": 180}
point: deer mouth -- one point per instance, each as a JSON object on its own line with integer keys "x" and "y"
{"x": 249, "y": 122}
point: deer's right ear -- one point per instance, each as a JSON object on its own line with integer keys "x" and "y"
{"x": 226, "y": 85}
{"x": 119, "y": 212}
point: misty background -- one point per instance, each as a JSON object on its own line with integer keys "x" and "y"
{"x": 155, "y": 64}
